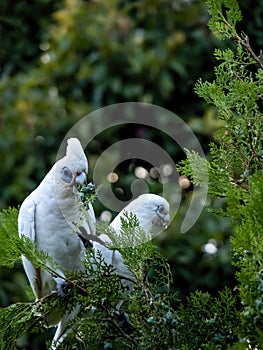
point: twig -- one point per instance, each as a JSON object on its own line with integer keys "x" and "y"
{"x": 124, "y": 277}
{"x": 146, "y": 289}
{"x": 108, "y": 319}
{"x": 247, "y": 46}
{"x": 75, "y": 284}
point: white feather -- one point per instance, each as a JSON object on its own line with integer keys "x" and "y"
{"x": 145, "y": 207}
{"x": 46, "y": 217}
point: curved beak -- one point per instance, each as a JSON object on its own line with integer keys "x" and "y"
{"x": 81, "y": 179}
{"x": 166, "y": 220}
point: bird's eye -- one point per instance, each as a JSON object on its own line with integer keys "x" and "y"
{"x": 161, "y": 209}
{"x": 66, "y": 175}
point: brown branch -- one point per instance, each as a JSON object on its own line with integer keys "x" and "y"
{"x": 125, "y": 335}
{"x": 146, "y": 289}
{"x": 247, "y": 46}
{"x": 124, "y": 277}
{"x": 76, "y": 285}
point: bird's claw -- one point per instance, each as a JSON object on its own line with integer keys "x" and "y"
{"x": 124, "y": 319}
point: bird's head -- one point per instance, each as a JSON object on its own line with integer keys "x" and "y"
{"x": 73, "y": 168}
{"x": 163, "y": 213}
{"x": 152, "y": 210}
{"x": 161, "y": 208}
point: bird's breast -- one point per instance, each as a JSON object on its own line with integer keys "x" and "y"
{"x": 55, "y": 235}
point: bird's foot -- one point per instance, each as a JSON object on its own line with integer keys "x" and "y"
{"x": 122, "y": 316}
{"x": 124, "y": 319}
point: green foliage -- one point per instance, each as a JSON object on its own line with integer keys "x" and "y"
{"x": 192, "y": 266}
{"x": 19, "y": 319}
{"x": 12, "y": 246}
{"x": 236, "y": 162}
{"x": 213, "y": 322}
{"x": 248, "y": 251}
{"x": 87, "y": 194}
{"x": 68, "y": 58}
{"x": 157, "y": 319}
{"x": 224, "y": 17}
{"x": 126, "y": 54}
{"x": 98, "y": 291}
{"x": 138, "y": 250}
{"x": 195, "y": 168}
{"x": 9, "y": 249}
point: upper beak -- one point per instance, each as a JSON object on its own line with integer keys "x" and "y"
{"x": 166, "y": 220}
{"x": 81, "y": 179}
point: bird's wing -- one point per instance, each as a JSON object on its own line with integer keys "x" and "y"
{"x": 91, "y": 219}
{"x": 114, "y": 258}
{"x": 26, "y": 227}
{"x": 26, "y": 219}
{"x": 86, "y": 229}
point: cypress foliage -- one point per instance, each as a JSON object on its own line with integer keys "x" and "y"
{"x": 157, "y": 319}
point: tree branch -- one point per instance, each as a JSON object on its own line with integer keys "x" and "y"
{"x": 125, "y": 335}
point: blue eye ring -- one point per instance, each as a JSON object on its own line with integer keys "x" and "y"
{"x": 66, "y": 175}
{"x": 161, "y": 209}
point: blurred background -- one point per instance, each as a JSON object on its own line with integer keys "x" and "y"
{"x": 60, "y": 60}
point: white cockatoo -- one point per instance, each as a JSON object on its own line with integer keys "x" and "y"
{"x": 47, "y": 216}
{"x": 152, "y": 212}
